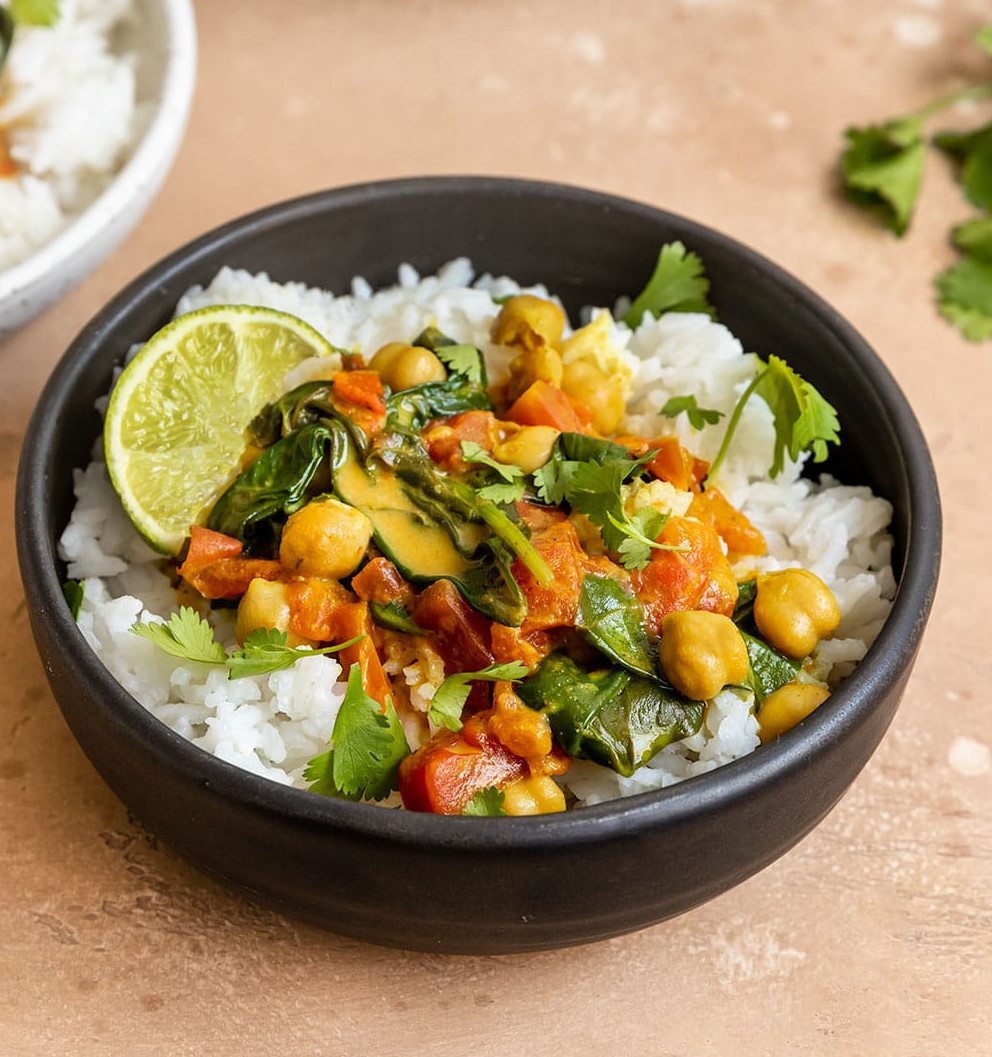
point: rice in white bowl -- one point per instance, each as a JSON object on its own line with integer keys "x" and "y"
{"x": 273, "y": 724}
{"x": 70, "y": 117}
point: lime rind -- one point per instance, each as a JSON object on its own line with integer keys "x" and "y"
{"x": 174, "y": 432}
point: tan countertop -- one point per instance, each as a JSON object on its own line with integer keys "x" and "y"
{"x": 874, "y": 936}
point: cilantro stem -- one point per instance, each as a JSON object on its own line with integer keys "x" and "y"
{"x": 732, "y": 426}
{"x": 962, "y": 95}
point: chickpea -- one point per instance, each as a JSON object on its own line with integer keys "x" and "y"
{"x": 533, "y": 796}
{"x": 521, "y": 729}
{"x": 265, "y": 605}
{"x": 785, "y": 707}
{"x": 701, "y": 653}
{"x": 529, "y": 323}
{"x": 794, "y": 609}
{"x": 529, "y": 448}
{"x": 602, "y": 395}
{"x": 538, "y": 365}
{"x": 326, "y": 538}
{"x": 403, "y": 366}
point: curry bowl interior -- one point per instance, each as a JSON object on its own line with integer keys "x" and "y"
{"x": 558, "y": 880}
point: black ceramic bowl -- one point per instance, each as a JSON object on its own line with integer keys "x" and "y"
{"x": 509, "y": 884}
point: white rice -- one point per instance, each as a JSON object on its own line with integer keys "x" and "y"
{"x": 273, "y": 724}
{"x": 69, "y": 112}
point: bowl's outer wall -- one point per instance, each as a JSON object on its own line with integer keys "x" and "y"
{"x": 454, "y": 884}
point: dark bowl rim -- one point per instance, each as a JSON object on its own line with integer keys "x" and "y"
{"x": 887, "y": 660}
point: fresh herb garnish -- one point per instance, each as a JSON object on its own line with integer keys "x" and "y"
{"x": 368, "y": 746}
{"x": 449, "y": 699}
{"x": 511, "y": 485}
{"x": 676, "y": 285}
{"x": 185, "y": 635}
{"x": 882, "y": 169}
{"x": 803, "y": 419}
{"x": 698, "y": 416}
{"x": 486, "y": 803}
{"x": 461, "y": 359}
{"x": 191, "y": 638}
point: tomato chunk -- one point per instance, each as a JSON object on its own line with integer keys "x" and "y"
{"x": 544, "y": 404}
{"x": 350, "y": 620}
{"x": 730, "y": 524}
{"x": 444, "y": 775}
{"x": 230, "y": 577}
{"x": 380, "y": 582}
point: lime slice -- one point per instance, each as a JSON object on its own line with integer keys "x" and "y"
{"x": 175, "y": 426}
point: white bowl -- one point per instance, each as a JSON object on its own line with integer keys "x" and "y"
{"x": 164, "y": 39}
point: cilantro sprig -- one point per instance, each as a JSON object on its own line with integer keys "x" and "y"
{"x": 699, "y": 417}
{"x": 191, "y": 638}
{"x": 676, "y": 285}
{"x": 486, "y": 803}
{"x": 368, "y": 746}
{"x": 449, "y": 699}
{"x": 803, "y": 419}
{"x": 882, "y": 170}
{"x": 461, "y": 359}
{"x": 509, "y": 488}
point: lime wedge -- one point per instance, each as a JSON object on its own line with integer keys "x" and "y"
{"x": 175, "y": 426}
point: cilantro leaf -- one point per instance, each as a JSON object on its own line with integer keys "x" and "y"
{"x": 803, "y": 419}
{"x": 449, "y": 699}
{"x": 698, "y": 416}
{"x": 461, "y": 359}
{"x": 486, "y": 802}
{"x": 677, "y": 285}
{"x": 73, "y": 591}
{"x": 472, "y": 452}
{"x": 973, "y": 151}
{"x": 368, "y": 745}
{"x": 265, "y": 651}
{"x": 964, "y": 297}
{"x": 186, "y": 635}
{"x": 641, "y": 531}
{"x": 974, "y": 237}
{"x": 35, "y": 12}
{"x": 503, "y": 493}
{"x": 882, "y": 168}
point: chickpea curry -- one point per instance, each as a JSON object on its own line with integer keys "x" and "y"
{"x": 568, "y": 590}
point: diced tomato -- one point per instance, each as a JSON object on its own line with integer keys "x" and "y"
{"x": 730, "y": 524}
{"x": 444, "y": 440}
{"x": 461, "y": 632}
{"x": 380, "y": 582}
{"x": 676, "y": 465}
{"x": 510, "y": 644}
{"x": 540, "y": 517}
{"x": 206, "y": 546}
{"x": 348, "y": 621}
{"x": 230, "y": 577}
{"x": 544, "y": 404}
{"x": 444, "y": 775}
{"x": 362, "y": 388}
{"x": 698, "y": 576}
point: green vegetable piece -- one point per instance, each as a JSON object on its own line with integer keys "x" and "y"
{"x": 185, "y": 635}
{"x": 983, "y": 38}
{"x": 964, "y": 297}
{"x": 677, "y": 285}
{"x": 769, "y": 668}
{"x": 35, "y": 12}
{"x": 475, "y": 453}
{"x": 612, "y": 717}
{"x": 747, "y": 591}
{"x": 449, "y": 699}
{"x": 265, "y": 651}
{"x": 698, "y": 416}
{"x": 975, "y": 238}
{"x": 612, "y": 620}
{"x": 6, "y": 35}
{"x": 275, "y": 483}
{"x": 73, "y": 591}
{"x": 368, "y": 747}
{"x": 486, "y": 803}
{"x": 803, "y": 420}
{"x": 973, "y": 152}
{"x": 395, "y": 616}
{"x": 882, "y": 168}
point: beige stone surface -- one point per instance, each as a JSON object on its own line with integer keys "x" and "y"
{"x": 874, "y": 936}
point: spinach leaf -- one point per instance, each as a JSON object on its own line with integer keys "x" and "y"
{"x": 74, "y": 591}
{"x": 769, "y": 668}
{"x": 275, "y": 483}
{"x": 612, "y": 619}
{"x": 747, "y": 590}
{"x": 610, "y": 716}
